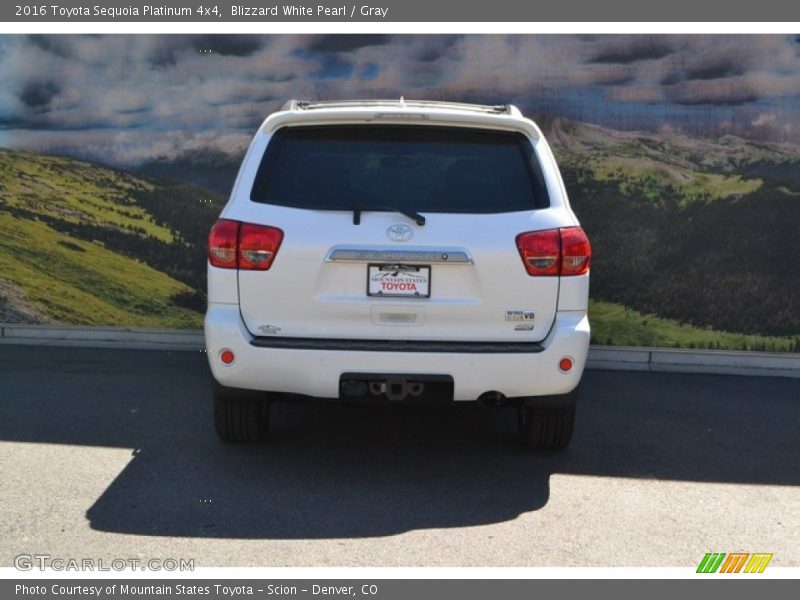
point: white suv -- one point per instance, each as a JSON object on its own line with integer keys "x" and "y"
{"x": 394, "y": 251}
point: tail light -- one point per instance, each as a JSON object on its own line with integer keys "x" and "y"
{"x": 222, "y": 244}
{"x": 541, "y": 252}
{"x": 246, "y": 246}
{"x": 555, "y": 252}
{"x": 576, "y": 253}
{"x": 258, "y": 245}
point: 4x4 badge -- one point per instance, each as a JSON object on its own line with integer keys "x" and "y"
{"x": 400, "y": 232}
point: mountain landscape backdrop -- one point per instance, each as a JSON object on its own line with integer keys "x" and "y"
{"x": 692, "y": 238}
{"x": 681, "y": 156}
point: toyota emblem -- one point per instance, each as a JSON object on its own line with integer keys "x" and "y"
{"x": 400, "y": 232}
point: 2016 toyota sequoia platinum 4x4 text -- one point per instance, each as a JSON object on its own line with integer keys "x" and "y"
{"x": 398, "y": 250}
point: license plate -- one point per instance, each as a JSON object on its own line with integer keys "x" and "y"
{"x": 399, "y": 281}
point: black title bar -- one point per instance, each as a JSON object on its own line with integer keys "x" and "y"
{"x": 332, "y": 11}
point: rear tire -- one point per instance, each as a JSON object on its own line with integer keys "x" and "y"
{"x": 546, "y": 427}
{"x": 240, "y": 415}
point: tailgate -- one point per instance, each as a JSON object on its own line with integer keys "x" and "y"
{"x": 458, "y": 278}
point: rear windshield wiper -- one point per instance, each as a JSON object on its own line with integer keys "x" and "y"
{"x": 411, "y": 214}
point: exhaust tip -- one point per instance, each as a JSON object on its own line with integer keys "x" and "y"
{"x": 492, "y": 398}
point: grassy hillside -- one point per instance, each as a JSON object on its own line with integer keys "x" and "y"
{"x": 616, "y": 325}
{"x": 73, "y": 281}
{"x": 75, "y": 192}
{"x": 692, "y": 168}
{"x": 85, "y": 244}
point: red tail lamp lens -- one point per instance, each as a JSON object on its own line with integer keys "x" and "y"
{"x": 555, "y": 252}
{"x": 540, "y": 252}
{"x": 565, "y": 364}
{"x": 222, "y": 244}
{"x": 258, "y": 245}
{"x": 226, "y": 356}
{"x": 575, "y": 250}
{"x": 244, "y": 246}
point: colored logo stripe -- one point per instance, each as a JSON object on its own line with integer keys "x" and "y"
{"x": 711, "y": 562}
{"x": 758, "y": 563}
{"x": 734, "y": 562}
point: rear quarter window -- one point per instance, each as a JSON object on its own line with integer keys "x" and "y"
{"x": 423, "y": 169}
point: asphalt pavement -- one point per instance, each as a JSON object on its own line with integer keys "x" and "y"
{"x": 112, "y": 454}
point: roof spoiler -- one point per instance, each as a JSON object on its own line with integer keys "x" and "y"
{"x": 496, "y": 109}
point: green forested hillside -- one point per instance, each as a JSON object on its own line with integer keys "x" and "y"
{"x": 85, "y": 244}
{"x": 700, "y": 232}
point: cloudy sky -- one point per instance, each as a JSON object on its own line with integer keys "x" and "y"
{"x": 129, "y": 99}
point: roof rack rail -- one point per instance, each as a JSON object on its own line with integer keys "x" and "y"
{"x": 498, "y": 109}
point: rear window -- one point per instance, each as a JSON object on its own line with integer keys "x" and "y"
{"x": 422, "y": 169}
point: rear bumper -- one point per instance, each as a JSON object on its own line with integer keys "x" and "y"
{"x": 316, "y": 372}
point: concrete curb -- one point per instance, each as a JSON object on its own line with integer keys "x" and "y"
{"x": 600, "y": 357}
{"x": 670, "y": 360}
{"x": 102, "y": 337}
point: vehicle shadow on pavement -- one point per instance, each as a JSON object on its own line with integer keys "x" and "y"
{"x": 340, "y": 471}
{"x": 328, "y": 472}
